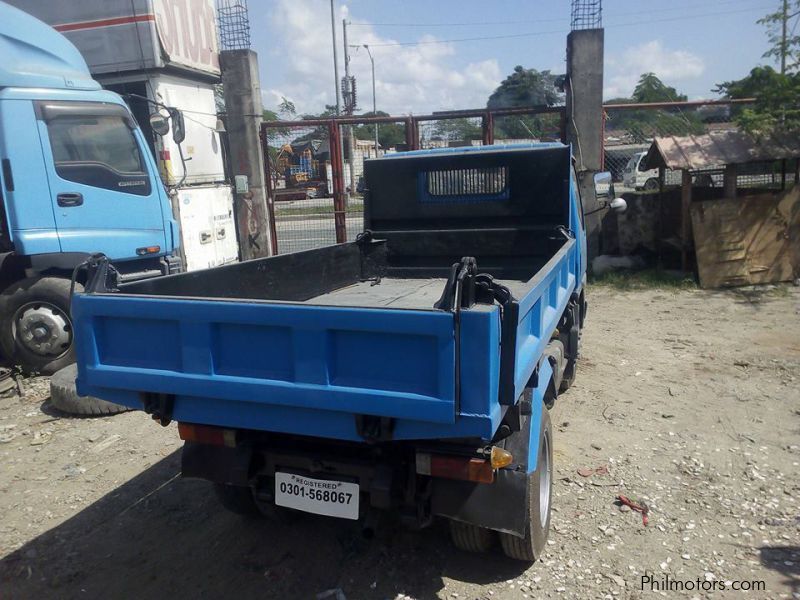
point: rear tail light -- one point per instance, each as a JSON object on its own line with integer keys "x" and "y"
{"x": 466, "y": 468}
{"x": 205, "y": 434}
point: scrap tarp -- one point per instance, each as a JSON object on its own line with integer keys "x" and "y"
{"x": 747, "y": 240}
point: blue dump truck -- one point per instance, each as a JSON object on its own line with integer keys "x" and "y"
{"x": 411, "y": 370}
{"x": 76, "y": 178}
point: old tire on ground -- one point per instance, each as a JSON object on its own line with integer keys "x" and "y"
{"x": 471, "y": 537}
{"x": 65, "y": 398}
{"x": 35, "y": 326}
{"x": 540, "y": 495}
{"x": 651, "y": 185}
{"x": 237, "y": 499}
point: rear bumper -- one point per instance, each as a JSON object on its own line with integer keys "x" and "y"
{"x": 386, "y": 476}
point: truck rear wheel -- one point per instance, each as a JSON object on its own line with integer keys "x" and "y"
{"x": 471, "y": 538}
{"x": 35, "y": 325}
{"x": 540, "y": 494}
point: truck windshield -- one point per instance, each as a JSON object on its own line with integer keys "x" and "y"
{"x": 100, "y": 151}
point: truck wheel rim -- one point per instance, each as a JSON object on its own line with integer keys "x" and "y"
{"x": 544, "y": 480}
{"x": 43, "y": 329}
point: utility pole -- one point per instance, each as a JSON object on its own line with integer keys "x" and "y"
{"x": 374, "y": 101}
{"x": 349, "y": 106}
{"x": 784, "y": 23}
{"x": 335, "y": 60}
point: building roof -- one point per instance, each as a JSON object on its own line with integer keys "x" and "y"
{"x": 719, "y": 148}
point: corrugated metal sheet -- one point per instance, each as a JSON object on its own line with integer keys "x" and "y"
{"x": 717, "y": 149}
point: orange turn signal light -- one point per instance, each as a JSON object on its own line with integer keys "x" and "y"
{"x": 148, "y": 250}
{"x": 500, "y": 458}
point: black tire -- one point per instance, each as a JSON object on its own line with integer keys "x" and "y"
{"x": 531, "y": 547}
{"x": 52, "y": 292}
{"x": 472, "y": 538}
{"x": 237, "y": 499}
{"x": 651, "y": 185}
{"x": 65, "y": 398}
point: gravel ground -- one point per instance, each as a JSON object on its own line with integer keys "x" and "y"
{"x": 686, "y": 400}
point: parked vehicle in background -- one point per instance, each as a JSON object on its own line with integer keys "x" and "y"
{"x": 77, "y": 178}
{"x": 411, "y": 370}
{"x": 636, "y": 176}
{"x": 163, "y": 51}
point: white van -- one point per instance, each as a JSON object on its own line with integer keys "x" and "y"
{"x": 637, "y": 177}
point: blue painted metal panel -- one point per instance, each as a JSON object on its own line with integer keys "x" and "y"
{"x": 473, "y": 149}
{"x": 28, "y": 207}
{"x": 364, "y": 361}
{"x": 540, "y": 310}
{"x": 109, "y": 221}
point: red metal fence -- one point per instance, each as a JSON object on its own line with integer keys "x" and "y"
{"x": 315, "y": 166}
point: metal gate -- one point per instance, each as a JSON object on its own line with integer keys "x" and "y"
{"x": 315, "y": 167}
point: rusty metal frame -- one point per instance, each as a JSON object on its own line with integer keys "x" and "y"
{"x": 412, "y": 134}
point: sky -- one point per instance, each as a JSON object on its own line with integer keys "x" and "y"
{"x": 691, "y": 45}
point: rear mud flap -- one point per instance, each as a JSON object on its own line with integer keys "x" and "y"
{"x": 502, "y": 505}
{"x": 217, "y": 464}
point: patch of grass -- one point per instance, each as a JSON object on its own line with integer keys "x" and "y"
{"x": 646, "y": 279}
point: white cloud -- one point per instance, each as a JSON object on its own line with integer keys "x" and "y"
{"x": 622, "y": 71}
{"x": 409, "y": 79}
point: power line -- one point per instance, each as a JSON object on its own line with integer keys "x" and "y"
{"x": 553, "y": 20}
{"x": 538, "y": 33}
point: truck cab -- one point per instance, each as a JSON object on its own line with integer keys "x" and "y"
{"x": 76, "y": 178}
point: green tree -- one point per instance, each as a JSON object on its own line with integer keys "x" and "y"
{"x": 784, "y": 48}
{"x": 527, "y": 87}
{"x": 777, "y": 94}
{"x": 651, "y": 89}
{"x": 389, "y": 134}
{"x": 640, "y": 125}
{"x": 777, "y": 105}
{"x": 457, "y": 130}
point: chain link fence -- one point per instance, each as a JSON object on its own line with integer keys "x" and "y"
{"x": 316, "y": 167}
{"x": 629, "y": 130}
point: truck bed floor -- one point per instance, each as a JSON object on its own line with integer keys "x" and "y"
{"x": 419, "y": 294}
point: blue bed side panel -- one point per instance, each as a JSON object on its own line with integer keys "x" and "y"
{"x": 541, "y": 309}
{"x": 291, "y": 368}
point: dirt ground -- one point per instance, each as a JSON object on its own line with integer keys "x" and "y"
{"x": 690, "y": 400}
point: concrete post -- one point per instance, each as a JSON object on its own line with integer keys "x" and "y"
{"x": 244, "y": 109}
{"x": 584, "y": 91}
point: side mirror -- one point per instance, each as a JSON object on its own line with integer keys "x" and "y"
{"x": 159, "y": 124}
{"x": 603, "y": 186}
{"x": 618, "y": 205}
{"x": 178, "y": 125}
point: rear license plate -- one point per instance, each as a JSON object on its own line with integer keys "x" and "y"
{"x": 320, "y": 496}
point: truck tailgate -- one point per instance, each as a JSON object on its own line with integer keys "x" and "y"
{"x": 388, "y": 363}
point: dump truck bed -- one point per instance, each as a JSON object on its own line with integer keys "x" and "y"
{"x": 424, "y": 328}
